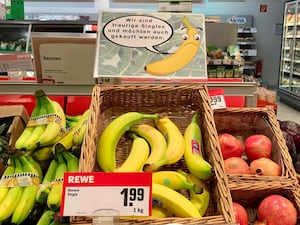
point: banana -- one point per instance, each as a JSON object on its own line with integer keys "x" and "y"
{"x": 160, "y": 212}
{"x": 70, "y": 124}
{"x": 196, "y": 164}
{"x": 6, "y": 178}
{"x": 73, "y": 118}
{"x": 175, "y": 144}
{"x": 137, "y": 157}
{"x": 36, "y": 165}
{"x": 27, "y": 200}
{"x": 106, "y": 147}
{"x": 15, "y": 193}
{"x": 66, "y": 142}
{"x": 173, "y": 180}
{"x": 28, "y": 129}
{"x": 55, "y": 195}
{"x": 183, "y": 55}
{"x": 200, "y": 200}
{"x": 56, "y": 122}
{"x": 156, "y": 140}
{"x": 39, "y": 128}
{"x": 81, "y": 127}
{"x": 43, "y": 153}
{"x": 46, "y": 218}
{"x": 71, "y": 160}
{"x": 45, "y": 186}
{"x": 173, "y": 201}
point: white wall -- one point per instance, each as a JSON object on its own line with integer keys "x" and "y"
{"x": 268, "y": 44}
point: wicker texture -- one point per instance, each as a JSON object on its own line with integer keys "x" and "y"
{"x": 179, "y": 102}
{"x": 242, "y": 122}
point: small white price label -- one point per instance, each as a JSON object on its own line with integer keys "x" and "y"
{"x": 128, "y": 193}
{"x": 217, "y": 102}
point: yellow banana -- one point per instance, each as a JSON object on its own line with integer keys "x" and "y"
{"x": 156, "y": 140}
{"x": 81, "y": 127}
{"x": 6, "y": 178}
{"x": 26, "y": 133}
{"x": 27, "y": 200}
{"x": 46, "y": 218}
{"x": 173, "y": 201}
{"x": 39, "y": 127}
{"x": 71, "y": 160}
{"x": 43, "y": 153}
{"x": 173, "y": 180}
{"x": 45, "y": 186}
{"x": 106, "y": 148}
{"x": 175, "y": 144}
{"x": 183, "y": 55}
{"x": 36, "y": 165}
{"x": 200, "y": 200}
{"x": 196, "y": 164}
{"x": 137, "y": 157}
{"x": 12, "y": 198}
{"x": 160, "y": 212}
{"x": 56, "y": 122}
{"x": 55, "y": 195}
{"x": 66, "y": 142}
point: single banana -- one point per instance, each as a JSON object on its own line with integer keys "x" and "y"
{"x": 156, "y": 140}
{"x": 160, "y": 212}
{"x": 43, "y": 153}
{"x": 55, "y": 125}
{"x": 137, "y": 157}
{"x": 173, "y": 201}
{"x": 71, "y": 124}
{"x": 45, "y": 186}
{"x": 6, "y": 178}
{"x": 36, "y": 165}
{"x": 173, "y": 180}
{"x": 55, "y": 195}
{"x": 15, "y": 193}
{"x": 106, "y": 148}
{"x": 183, "y": 55}
{"x": 39, "y": 127}
{"x": 200, "y": 200}
{"x": 71, "y": 160}
{"x": 75, "y": 118}
{"x": 81, "y": 127}
{"x": 26, "y": 133}
{"x": 27, "y": 200}
{"x": 66, "y": 142}
{"x": 175, "y": 144}
{"x": 194, "y": 160}
{"x": 46, "y": 218}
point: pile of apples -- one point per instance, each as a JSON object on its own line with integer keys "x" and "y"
{"x": 251, "y": 156}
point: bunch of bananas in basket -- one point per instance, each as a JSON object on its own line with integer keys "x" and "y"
{"x": 32, "y": 182}
{"x": 157, "y": 145}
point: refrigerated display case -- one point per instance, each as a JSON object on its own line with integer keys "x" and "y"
{"x": 289, "y": 77}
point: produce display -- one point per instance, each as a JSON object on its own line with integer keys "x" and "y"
{"x": 49, "y": 146}
{"x": 157, "y": 145}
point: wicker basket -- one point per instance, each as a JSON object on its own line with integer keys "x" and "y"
{"x": 242, "y": 122}
{"x": 179, "y": 102}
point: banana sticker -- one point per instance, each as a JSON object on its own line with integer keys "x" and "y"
{"x": 183, "y": 55}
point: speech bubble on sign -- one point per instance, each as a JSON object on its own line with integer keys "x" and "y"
{"x": 138, "y": 31}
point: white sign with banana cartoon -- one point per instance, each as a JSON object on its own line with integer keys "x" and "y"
{"x": 153, "y": 46}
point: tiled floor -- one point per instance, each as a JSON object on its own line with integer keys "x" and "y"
{"x": 285, "y": 112}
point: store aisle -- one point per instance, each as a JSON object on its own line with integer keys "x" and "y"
{"x": 285, "y": 112}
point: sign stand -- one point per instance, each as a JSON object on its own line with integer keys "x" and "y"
{"x": 106, "y": 217}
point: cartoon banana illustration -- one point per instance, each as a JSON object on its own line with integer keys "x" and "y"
{"x": 183, "y": 55}
{"x": 194, "y": 160}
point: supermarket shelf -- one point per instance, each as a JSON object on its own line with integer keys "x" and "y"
{"x": 247, "y": 89}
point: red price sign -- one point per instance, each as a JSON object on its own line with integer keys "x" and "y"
{"x": 128, "y": 193}
{"x": 217, "y": 100}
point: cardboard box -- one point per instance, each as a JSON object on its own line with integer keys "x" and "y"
{"x": 19, "y": 121}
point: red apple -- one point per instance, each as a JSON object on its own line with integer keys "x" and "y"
{"x": 236, "y": 165}
{"x": 258, "y": 146}
{"x": 240, "y": 214}
{"x": 230, "y": 146}
{"x": 265, "y": 167}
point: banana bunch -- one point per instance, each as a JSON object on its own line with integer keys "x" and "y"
{"x": 175, "y": 193}
{"x": 19, "y": 185}
{"x": 47, "y": 120}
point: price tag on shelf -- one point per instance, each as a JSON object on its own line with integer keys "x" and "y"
{"x": 217, "y": 100}
{"x": 128, "y": 193}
